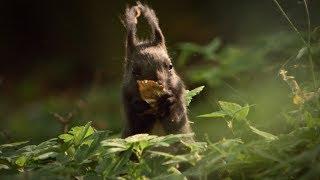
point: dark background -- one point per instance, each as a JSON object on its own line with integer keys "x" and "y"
{"x": 66, "y": 56}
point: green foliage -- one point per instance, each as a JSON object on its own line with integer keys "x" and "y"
{"x": 236, "y": 118}
{"x": 85, "y": 152}
{"x": 248, "y": 153}
{"x": 192, "y": 93}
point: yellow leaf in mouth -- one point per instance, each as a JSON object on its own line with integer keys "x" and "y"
{"x": 150, "y": 91}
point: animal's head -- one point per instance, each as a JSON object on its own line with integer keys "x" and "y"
{"x": 147, "y": 60}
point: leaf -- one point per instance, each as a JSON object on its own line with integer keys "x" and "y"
{"x": 150, "y": 91}
{"x": 21, "y": 161}
{"x": 82, "y": 132}
{"x": 66, "y": 137}
{"x": 266, "y": 135}
{"x": 116, "y": 142}
{"x": 139, "y": 137}
{"x": 12, "y": 145}
{"x": 192, "y": 93}
{"x": 81, "y": 153}
{"x": 172, "y": 138}
{"x": 217, "y": 114}
{"x": 3, "y": 166}
{"x": 234, "y": 110}
{"x": 47, "y": 155}
{"x": 114, "y": 150}
{"x": 301, "y": 52}
{"x": 158, "y": 153}
{"x": 98, "y": 136}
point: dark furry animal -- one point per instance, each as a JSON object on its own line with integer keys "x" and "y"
{"x": 149, "y": 60}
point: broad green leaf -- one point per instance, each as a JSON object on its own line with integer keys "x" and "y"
{"x": 81, "y": 133}
{"x": 122, "y": 161}
{"x": 97, "y": 138}
{"x": 21, "y": 161}
{"x": 172, "y": 138}
{"x": 114, "y": 150}
{"x": 66, "y": 137}
{"x": 139, "y": 137}
{"x": 192, "y": 93}
{"x": 266, "y": 135}
{"x": 217, "y": 114}
{"x": 3, "y": 166}
{"x": 81, "y": 153}
{"x": 116, "y": 142}
{"x": 46, "y": 155}
{"x": 177, "y": 159}
{"x": 12, "y": 145}
{"x": 243, "y": 112}
{"x": 234, "y": 110}
{"x": 158, "y": 153}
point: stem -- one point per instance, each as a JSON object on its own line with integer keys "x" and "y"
{"x": 309, "y": 45}
{"x": 290, "y": 22}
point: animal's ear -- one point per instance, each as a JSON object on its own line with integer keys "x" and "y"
{"x": 130, "y": 23}
{"x": 149, "y": 14}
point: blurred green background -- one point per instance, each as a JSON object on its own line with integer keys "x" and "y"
{"x": 65, "y": 58}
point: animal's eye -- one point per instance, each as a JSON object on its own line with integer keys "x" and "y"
{"x": 170, "y": 66}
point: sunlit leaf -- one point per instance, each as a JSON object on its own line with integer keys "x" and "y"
{"x": 21, "y": 161}
{"x": 3, "y": 166}
{"x": 46, "y": 155}
{"x": 12, "y": 145}
{"x": 234, "y": 110}
{"x": 81, "y": 132}
{"x": 217, "y": 114}
{"x": 192, "y": 93}
{"x": 139, "y": 137}
{"x": 266, "y": 135}
{"x": 66, "y": 137}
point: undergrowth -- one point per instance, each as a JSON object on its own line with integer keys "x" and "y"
{"x": 252, "y": 153}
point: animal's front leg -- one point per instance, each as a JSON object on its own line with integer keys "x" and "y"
{"x": 171, "y": 108}
{"x": 139, "y": 106}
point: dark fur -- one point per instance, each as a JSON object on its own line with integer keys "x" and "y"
{"x": 149, "y": 60}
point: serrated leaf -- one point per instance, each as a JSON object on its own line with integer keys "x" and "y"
{"x": 217, "y": 114}
{"x": 266, "y": 135}
{"x": 66, "y": 137}
{"x": 139, "y": 137}
{"x": 192, "y": 93}
{"x": 81, "y": 133}
{"x": 21, "y": 161}
{"x": 234, "y": 110}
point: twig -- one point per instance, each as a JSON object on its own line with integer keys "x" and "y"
{"x": 290, "y": 22}
{"x": 64, "y": 121}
